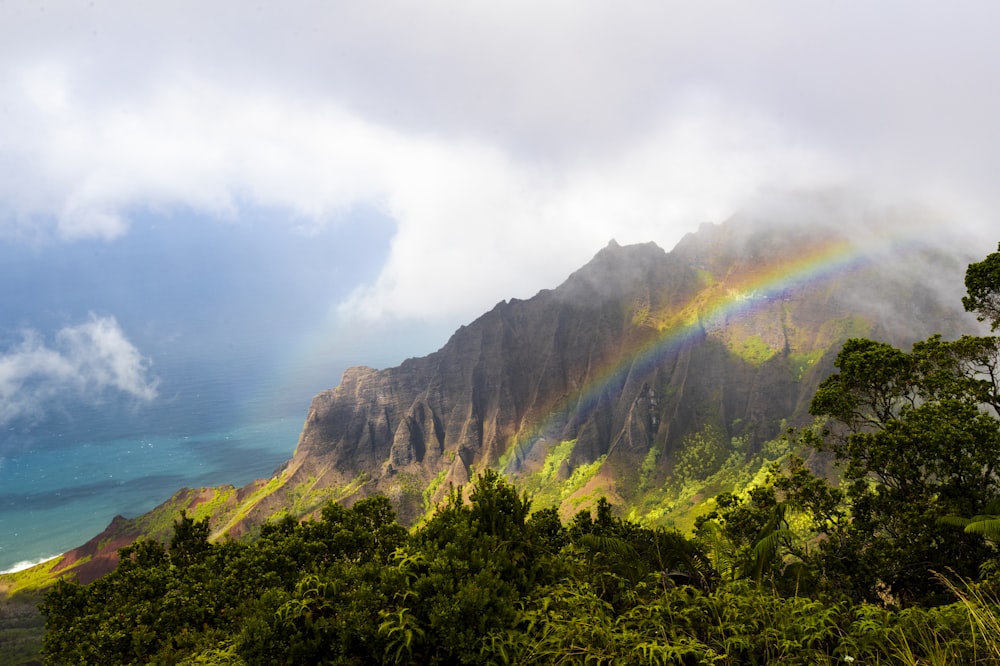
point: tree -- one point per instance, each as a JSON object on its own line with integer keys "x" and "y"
{"x": 189, "y": 544}
{"x": 982, "y": 284}
{"x": 467, "y": 567}
{"x": 919, "y": 438}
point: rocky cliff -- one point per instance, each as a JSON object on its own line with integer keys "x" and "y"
{"x": 656, "y": 379}
{"x": 644, "y": 371}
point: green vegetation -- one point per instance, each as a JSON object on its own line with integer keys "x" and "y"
{"x": 559, "y": 454}
{"x": 544, "y": 485}
{"x": 487, "y": 581}
{"x": 754, "y": 350}
{"x": 21, "y": 629}
{"x": 31, "y": 580}
{"x": 801, "y": 363}
{"x": 580, "y": 477}
{"x": 982, "y": 295}
{"x": 432, "y": 489}
{"x": 250, "y": 502}
{"x": 898, "y": 564}
{"x": 648, "y": 467}
{"x": 201, "y": 503}
{"x": 710, "y": 467}
{"x": 701, "y": 455}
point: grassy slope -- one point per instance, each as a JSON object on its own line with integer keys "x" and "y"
{"x": 21, "y": 629}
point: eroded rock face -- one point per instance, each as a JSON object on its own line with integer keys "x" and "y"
{"x": 637, "y": 349}
{"x": 99, "y": 556}
{"x": 637, "y": 359}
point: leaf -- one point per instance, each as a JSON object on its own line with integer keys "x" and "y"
{"x": 988, "y": 528}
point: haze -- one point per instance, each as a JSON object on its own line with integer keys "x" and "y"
{"x": 353, "y": 180}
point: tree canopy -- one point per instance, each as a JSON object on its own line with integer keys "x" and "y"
{"x": 896, "y": 563}
{"x": 982, "y": 285}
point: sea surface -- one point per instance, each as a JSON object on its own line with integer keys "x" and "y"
{"x": 236, "y": 324}
{"x": 65, "y": 477}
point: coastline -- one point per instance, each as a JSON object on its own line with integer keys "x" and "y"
{"x": 52, "y": 501}
{"x": 27, "y": 564}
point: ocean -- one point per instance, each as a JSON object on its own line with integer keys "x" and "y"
{"x": 236, "y": 325}
{"x": 64, "y": 478}
{"x": 222, "y": 415}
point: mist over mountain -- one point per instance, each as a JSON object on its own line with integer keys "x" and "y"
{"x": 656, "y": 379}
{"x": 604, "y": 385}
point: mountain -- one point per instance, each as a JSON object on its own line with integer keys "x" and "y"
{"x": 657, "y": 379}
{"x": 644, "y": 369}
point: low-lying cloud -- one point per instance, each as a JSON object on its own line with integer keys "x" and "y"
{"x": 475, "y": 222}
{"x": 506, "y": 142}
{"x": 85, "y": 361}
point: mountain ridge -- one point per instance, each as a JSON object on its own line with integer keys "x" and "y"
{"x": 509, "y": 387}
{"x": 653, "y": 378}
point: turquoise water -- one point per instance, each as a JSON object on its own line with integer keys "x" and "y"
{"x": 64, "y": 477}
{"x": 234, "y": 320}
{"x": 53, "y": 500}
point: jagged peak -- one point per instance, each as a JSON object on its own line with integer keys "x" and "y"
{"x": 615, "y": 248}
{"x": 611, "y": 269}
{"x": 523, "y": 375}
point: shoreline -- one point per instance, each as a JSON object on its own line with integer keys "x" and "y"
{"x": 27, "y": 564}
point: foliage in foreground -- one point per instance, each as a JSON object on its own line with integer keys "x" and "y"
{"x": 482, "y": 582}
{"x": 898, "y": 565}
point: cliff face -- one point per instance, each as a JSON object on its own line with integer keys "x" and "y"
{"x": 496, "y": 381}
{"x": 655, "y": 379}
{"x": 602, "y": 385}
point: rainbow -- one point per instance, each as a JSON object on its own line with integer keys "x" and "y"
{"x": 732, "y": 295}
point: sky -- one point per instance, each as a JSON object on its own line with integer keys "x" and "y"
{"x": 356, "y": 179}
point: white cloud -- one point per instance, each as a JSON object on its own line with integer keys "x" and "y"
{"x": 84, "y": 362}
{"x": 508, "y": 142}
{"x": 475, "y": 226}
{"x": 474, "y": 222}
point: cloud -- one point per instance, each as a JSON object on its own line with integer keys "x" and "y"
{"x": 475, "y": 223}
{"x": 507, "y": 142}
{"x": 84, "y": 362}
{"x": 476, "y": 226}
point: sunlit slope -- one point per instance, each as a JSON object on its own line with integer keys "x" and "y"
{"x": 656, "y": 379}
